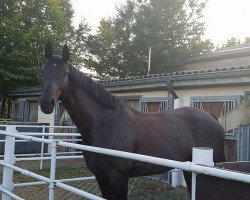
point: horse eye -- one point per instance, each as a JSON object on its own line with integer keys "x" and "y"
{"x": 66, "y": 73}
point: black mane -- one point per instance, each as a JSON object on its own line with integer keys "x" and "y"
{"x": 95, "y": 89}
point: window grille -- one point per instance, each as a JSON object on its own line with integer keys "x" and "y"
{"x": 155, "y": 104}
{"x": 228, "y": 102}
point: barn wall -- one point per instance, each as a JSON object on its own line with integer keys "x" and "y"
{"x": 41, "y": 117}
{"x": 46, "y": 118}
{"x": 145, "y": 94}
{"x": 186, "y": 94}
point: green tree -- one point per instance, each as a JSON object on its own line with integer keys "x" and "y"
{"x": 78, "y": 45}
{"x": 25, "y": 27}
{"x": 247, "y": 40}
{"x": 232, "y": 42}
{"x": 172, "y": 28}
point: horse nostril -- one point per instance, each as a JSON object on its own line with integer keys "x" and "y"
{"x": 47, "y": 104}
{"x": 52, "y": 102}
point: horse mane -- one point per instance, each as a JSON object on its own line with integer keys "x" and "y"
{"x": 95, "y": 89}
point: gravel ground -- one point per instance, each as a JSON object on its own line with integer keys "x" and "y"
{"x": 139, "y": 188}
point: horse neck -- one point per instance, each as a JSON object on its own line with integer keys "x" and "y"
{"x": 85, "y": 111}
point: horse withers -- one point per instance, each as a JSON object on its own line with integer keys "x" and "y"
{"x": 105, "y": 121}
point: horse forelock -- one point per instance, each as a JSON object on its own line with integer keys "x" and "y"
{"x": 95, "y": 89}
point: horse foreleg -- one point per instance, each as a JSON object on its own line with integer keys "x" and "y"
{"x": 105, "y": 187}
{"x": 188, "y": 179}
{"x": 119, "y": 185}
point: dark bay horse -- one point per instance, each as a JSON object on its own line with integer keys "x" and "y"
{"x": 105, "y": 121}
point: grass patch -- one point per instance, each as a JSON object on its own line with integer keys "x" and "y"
{"x": 140, "y": 188}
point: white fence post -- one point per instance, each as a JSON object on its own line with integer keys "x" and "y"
{"x": 200, "y": 156}
{"x": 42, "y": 149}
{"x": 9, "y": 157}
{"x": 52, "y": 170}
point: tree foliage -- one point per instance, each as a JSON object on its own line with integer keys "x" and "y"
{"x": 231, "y": 42}
{"x": 172, "y": 28}
{"x": 234, "y": 42}
{"x": 25, "y": 27}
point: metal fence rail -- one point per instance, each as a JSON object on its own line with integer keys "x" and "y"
{"x": 9, "y": 158}
{"x": 70, "y": 137}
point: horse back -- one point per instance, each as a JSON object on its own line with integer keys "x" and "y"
{"x": 175, "y": 132}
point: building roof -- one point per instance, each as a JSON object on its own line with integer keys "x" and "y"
{"x": 229, "y": 52}
{"x": 33, "y": 91}
{"x": 195, "y": 78}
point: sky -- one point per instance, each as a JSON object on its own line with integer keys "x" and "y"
{"x": 223, "y": 19}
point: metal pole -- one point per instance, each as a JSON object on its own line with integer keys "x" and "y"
{"x": 193, "y": 192}
{"x": 42, "y": 149}
{"x": 149, "y": 59}
{"x": 52, "y": 170}
{"x": 9, "y": 157}
{"x": 10, "y": 194}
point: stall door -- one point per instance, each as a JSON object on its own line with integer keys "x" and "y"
{"x": 230, "y": 148}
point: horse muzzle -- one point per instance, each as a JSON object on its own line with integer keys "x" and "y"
{"x": 47, "y": 105}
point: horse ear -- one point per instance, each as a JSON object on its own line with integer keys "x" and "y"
{"x": 65, "y": 53}
{"x": 48, "y": 51}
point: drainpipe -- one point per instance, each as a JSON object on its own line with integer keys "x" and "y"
{"x": 177, "y": 100}
{"x": 177, "y": 103}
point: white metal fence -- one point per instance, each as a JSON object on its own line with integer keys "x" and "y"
{"x": 65, "y": 133}
{"x": 9, "y": 161}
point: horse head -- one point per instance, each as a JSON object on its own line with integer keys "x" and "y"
{"x": 54, "y": 78}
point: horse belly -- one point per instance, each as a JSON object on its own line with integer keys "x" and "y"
{"x": 167, "y": 148}
{"x": 146, "y": 169}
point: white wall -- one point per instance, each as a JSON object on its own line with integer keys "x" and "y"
{"x": 145, "y": 94}
{"x": 186, "y": 94}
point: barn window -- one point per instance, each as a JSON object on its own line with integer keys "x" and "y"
{"x": 20, "y": 111}
{"x": 216, "y": 105}
{"x": 133, "y": 100}
{"x": 25, "y": 111}
{"x": 156, "y": 104}
{"x": 17, "y": 111}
